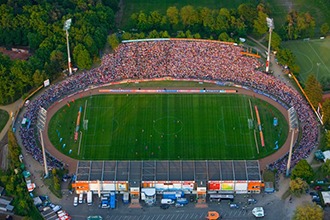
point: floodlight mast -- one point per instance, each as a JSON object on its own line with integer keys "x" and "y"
{"x": 270, "y": 24}
{"x": 41, "y": 120}
{"x": 66, "y": 27}
{"x": 293, "y": 119}
{"x": 44, "y": 153}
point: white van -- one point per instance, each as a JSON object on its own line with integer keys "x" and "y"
{"x": 81, "y": 197}
{"x": 75, "y": 201}
{"x": 167, "y": 201}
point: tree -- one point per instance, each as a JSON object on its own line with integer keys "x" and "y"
{"x": 155, "y": 19}
{"x": 181, "y": 34}
{"x": 90, "y": 44}
{"x": 197, "y": 36}
{"x": 221, "y": 23}
{"x": 35, "y": 40}
{"x": 313, "y": 90}
{"x": 260, "y": 24}
{"x": 189, "y": 15}
{"x": 326, "y": 118}
{"x": 126, "y": 36}
{"x": 82, "y": 57}
{"x": 299, "y": 25}
{"x": 298, "y": 186}
{"x": 164, "y": 34}
{"x": 248, "y": 14}
{"x": 326, "y": 167}
{"x": 113, "y": 41}
{"x": 206, "y": 18}
{"x": 153, "y": 34}
{"x": 39, "y": 77}
{"x": 60, "y": 61}
{"x": 308, "y": 211}
{"x": 224, "y": 37}
{"x": 21, "y": 72}
{"x": 302, "y": 170}
{"x": 324, "y": 29}
{"x": 143, "y": 23}
{"x": 276, "y": 41}
{"x": 286, "y": 57}
{"x": 173, "y": 15}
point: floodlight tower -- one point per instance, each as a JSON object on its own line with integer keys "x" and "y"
{"x": 66, "y": 27}
{"x": 293, "y": 123}
{"x": 41, "y": 121}
{"x": 270, "y": 24}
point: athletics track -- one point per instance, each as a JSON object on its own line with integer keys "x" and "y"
{"x": 72, "y": 163}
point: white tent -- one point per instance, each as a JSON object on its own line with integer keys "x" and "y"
{"x": 326, "y": 197}
{"x": 326, "y": 155}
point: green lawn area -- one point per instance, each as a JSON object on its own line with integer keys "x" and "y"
{"x": 4, "y": 116}
{"x": 166, "y": 126}
{"x": 313, "y": 57}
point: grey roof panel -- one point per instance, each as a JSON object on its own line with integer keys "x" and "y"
{"x": 166, "y": 170}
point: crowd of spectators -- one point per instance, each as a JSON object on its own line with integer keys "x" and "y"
{"x": 181, "y": 59}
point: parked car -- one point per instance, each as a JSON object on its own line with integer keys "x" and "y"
{"x": 75, "y": 201}
{"x": 178, "y": 205}
{"x": 252, "y": 201}
{"x": 164, "y": 206}
{"x": 313, "y": 193}
{"x": 316, "y": 199}
{"x": 167, "y": 201}
{"x": 234, "y": 206}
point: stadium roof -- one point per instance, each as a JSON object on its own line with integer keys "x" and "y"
{"x": 169, "y": 170}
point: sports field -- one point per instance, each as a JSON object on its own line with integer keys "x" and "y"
{"x": 313, "y": 57}
{"x": 166, "y": 126}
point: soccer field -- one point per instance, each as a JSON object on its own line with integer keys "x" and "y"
{"x": 166, "y": 126}
{"x": 313, "y": 57}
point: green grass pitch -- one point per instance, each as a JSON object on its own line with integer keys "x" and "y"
{"x": 166, "y": 126}
{"x": 313, "y": 57}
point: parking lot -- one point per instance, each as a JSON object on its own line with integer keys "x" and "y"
{"x": 273, "y": 206}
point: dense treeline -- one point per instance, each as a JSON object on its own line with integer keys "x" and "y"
{"x": 13, "y": 182}
{"x": 208, "y": 23}
{"x": 39, "y": 26}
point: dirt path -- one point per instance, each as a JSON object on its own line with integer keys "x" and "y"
{"x": 120, "y": 13}
{"x": 326, "y": 96}
{"x": 72, "y": 163}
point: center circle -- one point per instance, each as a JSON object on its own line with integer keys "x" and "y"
{"x": 168, "y": 125}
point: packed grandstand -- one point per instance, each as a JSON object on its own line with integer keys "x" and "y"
{"x": 179, "y": 59}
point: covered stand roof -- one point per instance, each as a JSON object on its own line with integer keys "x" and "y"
{"x": 169, "y": 170}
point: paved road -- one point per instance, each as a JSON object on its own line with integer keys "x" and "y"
{"x": 9, "y": 108}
